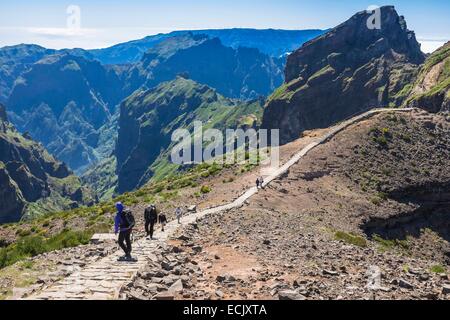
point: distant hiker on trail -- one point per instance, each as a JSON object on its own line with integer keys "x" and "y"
{"x": 162, "y": 221}
{"x": 261, "y": 182}
{"x": 151, "y": 218}
{"x": 123, "y": 224}
{"x": 257, "y": 183}
{"x": 178, "y": 213}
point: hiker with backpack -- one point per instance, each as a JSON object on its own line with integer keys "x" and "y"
{"x": 261, "y": 182}
{"x": 162, "y": 221}
{"x": 257, "y": 183}
{"x": 123, "y": 225}
{"x": 178, "y": 214}
{"x": 151, "y": 218}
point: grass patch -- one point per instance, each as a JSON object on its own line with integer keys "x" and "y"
{"x": 386, "y": 244}
{"x": 350, "y": 238}
{"x": 438, "y": 269}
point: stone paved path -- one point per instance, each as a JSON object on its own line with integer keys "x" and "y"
{"x": 105, "y": 278}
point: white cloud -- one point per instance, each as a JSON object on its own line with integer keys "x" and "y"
{"x": 64, "y": 32}
{"x": 431, "y": 45}
{"x": 60, "y": 38}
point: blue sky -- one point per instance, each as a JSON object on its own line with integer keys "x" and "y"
{"x": 106, "y": 22}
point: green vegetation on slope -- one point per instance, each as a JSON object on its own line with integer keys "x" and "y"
{"x": 31, "y": 246}
{"x": 431, "y": 89}
{"x": 148, "y": 119}
{"x": 32, "y": 181}
{"x": 74, "y": 227}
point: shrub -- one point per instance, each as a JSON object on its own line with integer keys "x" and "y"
{"x": 405, "y": 137}
{"x": 214, "y": 169}
{"x": 381, "y": 136}
{"x": 376, "y": 201}
{"x": 23, "y": 232}
{"x": 31, "y": 246}
{"x": 231, "y": 179}
{"x": 382, "y": 196}
{"x": 205, "y": 174}
{"x": 68, "y": 239}
{"x": 205, "y": 189}
{"x": 28, "y": 264}
{"x": 382, "y": 141}
{"x": 3, "y": 257}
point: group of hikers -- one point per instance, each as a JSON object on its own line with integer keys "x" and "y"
{"x": 260, "y": 183}
{"x": 124, "y": 223}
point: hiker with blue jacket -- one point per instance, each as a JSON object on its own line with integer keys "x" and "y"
{"x": 123, "y": 225}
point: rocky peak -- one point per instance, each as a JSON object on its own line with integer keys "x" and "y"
{"x": 350, "y": 69}
{"x": 356, "y": 43}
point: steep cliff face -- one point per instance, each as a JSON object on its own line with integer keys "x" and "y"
{"x": 148, "y": 119}
{"x": 32, "y": 181}
{"x": 238, "y": 73}
{"x": 349, "y": 69}
{"x": 431, "y": 91}
{"x": 3, "y": 116}
{"x": 62, "y": 101}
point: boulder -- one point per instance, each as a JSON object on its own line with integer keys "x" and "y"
{"x": 290, "y": 295}
{"x": 177, "y": 287}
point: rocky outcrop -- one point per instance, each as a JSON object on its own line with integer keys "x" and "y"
{"x": 347, "y": 70}
{"x": 12, "y": 202}
{"x": 30, "y": 175}
{"x": 431, "y": 91}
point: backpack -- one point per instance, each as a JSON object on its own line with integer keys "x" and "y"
{"x": 129, "y": 219}
{"x": 150, "y": 214}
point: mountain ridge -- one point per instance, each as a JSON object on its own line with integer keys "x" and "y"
{"x": 133, "y": 51}
{"x": 243, "y": 73}
{"x": 345, "y": 71}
